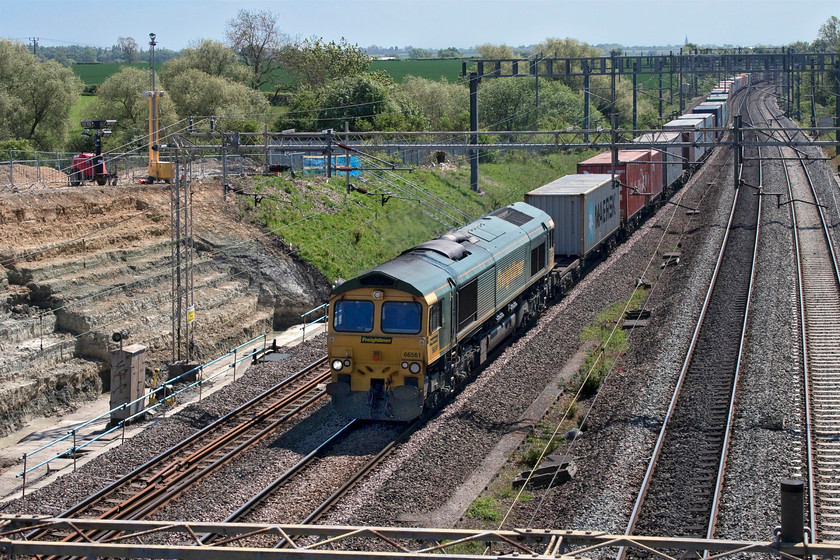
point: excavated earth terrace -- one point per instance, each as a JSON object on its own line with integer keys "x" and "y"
{"x": 78, "y": 264}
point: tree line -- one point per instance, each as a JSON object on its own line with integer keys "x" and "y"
{"x": 330, "y": 86}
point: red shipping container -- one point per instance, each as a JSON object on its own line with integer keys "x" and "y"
{"x": 641, "y": 177}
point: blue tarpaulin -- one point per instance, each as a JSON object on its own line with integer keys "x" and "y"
{"x": 315, "y": 165}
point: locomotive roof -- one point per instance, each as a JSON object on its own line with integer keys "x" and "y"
{"x": 428, "y": 267}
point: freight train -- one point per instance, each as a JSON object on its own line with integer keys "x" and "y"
{"x": 405, "y": 334}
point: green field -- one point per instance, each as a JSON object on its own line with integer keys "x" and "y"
{"x": 93, "y": 74}
{"x": 433, "y": 69}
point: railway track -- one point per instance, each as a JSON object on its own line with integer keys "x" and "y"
{"x": 162, "y": 479}
{"x": 680, "y": 493}
{"x": 316, "y": 472}
{"x": 819, "y": 308}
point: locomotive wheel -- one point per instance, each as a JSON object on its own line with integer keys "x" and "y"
{"x": 101, "y": 180}
{"x": 75, "y": 179}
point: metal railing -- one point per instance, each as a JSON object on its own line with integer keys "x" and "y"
{"x": 92, "y": 424}
{"x": 322, "y": 319}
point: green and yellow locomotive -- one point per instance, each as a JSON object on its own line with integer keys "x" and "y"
{"x": 406, "y": 333}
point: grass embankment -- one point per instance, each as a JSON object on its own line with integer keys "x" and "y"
{"x": 345, "y": 234}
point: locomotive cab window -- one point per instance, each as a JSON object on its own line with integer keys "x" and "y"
{"x": 353, "y": 315}
{"x": 401, "y": 317}
{"x": 435, "y": 318}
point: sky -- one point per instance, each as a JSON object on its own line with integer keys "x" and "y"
{"x": 431, "y": 24}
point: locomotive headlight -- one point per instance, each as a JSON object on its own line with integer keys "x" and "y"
{"x": 404, "y": 365}
{"x": 337, "y": 365}
{"x": 414, "y": 367}
{"x": 346, "y": 363}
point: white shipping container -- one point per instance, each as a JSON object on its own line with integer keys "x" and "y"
{"x": 671, "y": 155}
{"x": 708, "y": 122}
{"x": 694, "y": 133}
{"x": 585, "y": 210}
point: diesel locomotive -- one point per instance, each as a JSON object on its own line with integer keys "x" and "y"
{"x": 404, "y": 334}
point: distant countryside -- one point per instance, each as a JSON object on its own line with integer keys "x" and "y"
{"x": 93, "y": 74}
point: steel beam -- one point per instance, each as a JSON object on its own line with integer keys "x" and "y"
{"x": 324, "y": 542}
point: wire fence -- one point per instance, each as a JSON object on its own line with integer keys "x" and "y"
{"x": 23, "y": 170}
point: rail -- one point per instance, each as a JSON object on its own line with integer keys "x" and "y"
{"x": 91, "y": 424}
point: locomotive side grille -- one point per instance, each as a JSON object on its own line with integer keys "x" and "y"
{"x": 486, "y": 292}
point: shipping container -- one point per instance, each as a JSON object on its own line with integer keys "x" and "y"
{"x": 717, "y": 98}
{"x": 718, "y": 108}
{"x": 663, "y": 142}
{"x": 714, "y": 109}
{"x": 708, "y": 123}
{"x": 641, "y": 180}
{"x": 584, "y": 209}
{"x": 692, "y": 132}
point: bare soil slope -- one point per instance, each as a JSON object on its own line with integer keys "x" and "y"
{"x": 78, "y": 264}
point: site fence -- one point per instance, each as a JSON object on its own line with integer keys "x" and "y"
{"x": 22, "y": 170}
{"x": 29, "y": 170}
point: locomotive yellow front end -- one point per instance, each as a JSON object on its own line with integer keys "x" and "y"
{"x": 377, "y": 344}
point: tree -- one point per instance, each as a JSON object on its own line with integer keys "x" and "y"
{"x": 829, "y": 35}
{"x": 35, "y": 97}
{"x": 450, "y": 52}
{"x": 197, "y": 93}
{"x": 415, "y": 53}
{"x": 554, "y": 47}
{"x": 128, "y": 48}
{"x": 445, "y": 106}
{"x": 211, "y": 57}
{"x": 365, "y": 101}
{"x": 314, "y": 63}
{"x": 302, "y": 114}
{"x": 255, "y": 36}
{"x": 494, "y": 51}
{"x": 509, "y": 104}
{"x": 121, "y": 97}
